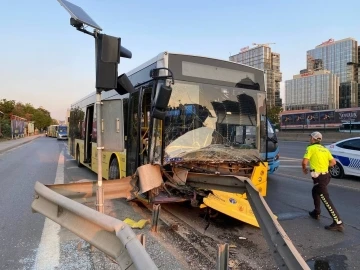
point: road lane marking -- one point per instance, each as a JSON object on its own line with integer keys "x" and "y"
{"x": 310, "y": 180}
{"x": 48, "y": 254}
{"x": 289, "y": 158}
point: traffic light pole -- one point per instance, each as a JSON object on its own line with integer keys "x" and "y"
{"x": 100, "y": 189}
{"x": 108, "y": 51}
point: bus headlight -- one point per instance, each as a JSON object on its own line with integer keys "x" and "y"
{"x": 276, "y": 157}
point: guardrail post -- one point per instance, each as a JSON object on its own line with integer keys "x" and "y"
{"x": 155, "y": 217}
{"x": 222, "y": 258}
{"x": 141, "y": 238}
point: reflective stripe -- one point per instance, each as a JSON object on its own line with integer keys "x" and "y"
{"x": 331, "y": 211}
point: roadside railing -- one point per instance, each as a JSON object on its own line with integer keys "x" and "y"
{"x": 117, "y": 240}
{"x": 108, "y": 234}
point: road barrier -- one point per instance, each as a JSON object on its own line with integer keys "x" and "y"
{"x": 116, "y": 239}
{"x": 280, "y": 245}
{"x": 108, "y": 234}
{"x": 328, "y": 137}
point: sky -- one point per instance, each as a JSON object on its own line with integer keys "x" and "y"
{"x": 46, "y": 62}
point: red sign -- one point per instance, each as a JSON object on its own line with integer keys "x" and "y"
{"x": 331, "y": 40}
{"x": 307, "y": 74}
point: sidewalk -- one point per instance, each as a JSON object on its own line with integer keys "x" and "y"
{"x": 7, "y": 145}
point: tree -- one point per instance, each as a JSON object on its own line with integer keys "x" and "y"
{"x": 7, "y": 107}
{"x": 273, "y": 114}
{"x": 40, "y": 116}
{"x": 42, "y": 119}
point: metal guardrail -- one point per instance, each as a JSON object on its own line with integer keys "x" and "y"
{"x": 281, "y": 247}
{"x": 111, "y": 235}
{"x": 86, "y": 191}
{"x": 108, "y": 234}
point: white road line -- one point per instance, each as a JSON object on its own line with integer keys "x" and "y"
{"x": 289, "y": 158}
{"x": 309, "y": 180}
{"x": 290, "y": 166}
{"x": 48, "y": 254}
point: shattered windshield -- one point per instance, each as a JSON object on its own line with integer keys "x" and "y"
{"x": 214, "y": 122}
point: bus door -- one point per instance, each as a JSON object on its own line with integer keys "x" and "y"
{"x": 138, "y": 129}
{"x": 89, "y": 120}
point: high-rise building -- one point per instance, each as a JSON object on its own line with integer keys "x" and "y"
{"x": 262, "y": 57}
{"x": 340, "y": 58}
{"x": 314, "y": 90}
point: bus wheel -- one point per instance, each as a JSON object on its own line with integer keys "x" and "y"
{"x": 114, "y": 171}
{"x": 78, "y": 157}
{"x": 337, "y": 171}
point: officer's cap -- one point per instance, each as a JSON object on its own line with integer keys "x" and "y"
{"x": 316, "y": 135}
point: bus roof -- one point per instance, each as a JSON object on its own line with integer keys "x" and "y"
{"x": 163, "y": 55}
{"x": 161, "y": 60}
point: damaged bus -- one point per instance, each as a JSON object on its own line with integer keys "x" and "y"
{"x": 214, "y": 123}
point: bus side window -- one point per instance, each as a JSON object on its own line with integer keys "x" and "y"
{"x": 125, "y": 117}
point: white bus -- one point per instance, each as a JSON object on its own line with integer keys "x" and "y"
{"x": 213, "y": 104}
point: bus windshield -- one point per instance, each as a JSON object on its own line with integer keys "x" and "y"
{"x": 221, "y": 121}
{"x": 62, "y": 129}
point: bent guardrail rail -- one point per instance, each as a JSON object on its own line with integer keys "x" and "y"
{"x": 108, "y": 234}
{"x": 283, "y": 250}
{"x": 86, "y": 191}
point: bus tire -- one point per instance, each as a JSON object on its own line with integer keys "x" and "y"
{"x": 78, "y": 157}
{"x": 337, "y": 171}
{"x": 114, "y": 171}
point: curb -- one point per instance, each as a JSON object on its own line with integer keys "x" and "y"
{"x": 22, "y": 143}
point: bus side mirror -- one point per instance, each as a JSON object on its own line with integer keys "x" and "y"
{"x": 161, "y": 102}
{"x": 124, "y": 85}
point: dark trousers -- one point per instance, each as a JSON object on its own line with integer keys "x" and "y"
{"x": 321, "y": 193}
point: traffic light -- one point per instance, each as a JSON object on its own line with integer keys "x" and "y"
{"x": 108, "y": 53}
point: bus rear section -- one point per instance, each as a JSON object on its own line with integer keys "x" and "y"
{"x": 52, "y": 131}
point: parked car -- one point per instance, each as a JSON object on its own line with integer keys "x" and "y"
{"x": 347, "y": 155}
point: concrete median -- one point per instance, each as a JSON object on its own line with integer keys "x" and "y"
{"x": 328, "y": 137}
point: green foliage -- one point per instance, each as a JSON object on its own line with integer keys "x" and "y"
{"x": 40, "y": 116}
{"x": 273, "y": 114}
{"x": 5, "y": 128}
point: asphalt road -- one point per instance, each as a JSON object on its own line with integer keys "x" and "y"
{"x": 289, "y": 196}
{"x": 30, "y": 241}
{"x": 20, "y": 229}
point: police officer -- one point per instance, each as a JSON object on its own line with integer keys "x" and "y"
{"x": 320, "y": 160}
